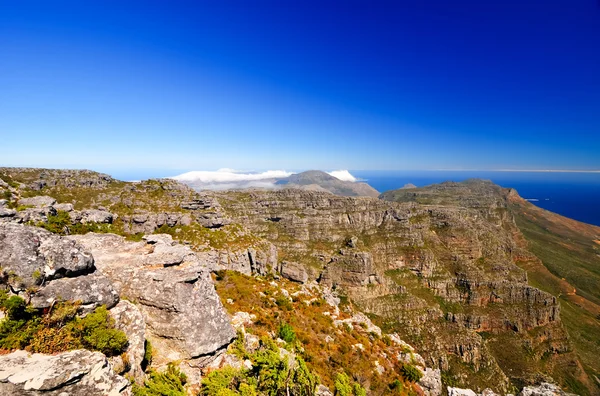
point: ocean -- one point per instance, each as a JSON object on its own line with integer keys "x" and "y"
{"x": 571, "y": 194}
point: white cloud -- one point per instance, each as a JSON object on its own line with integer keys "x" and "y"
{"x": 343, "y": 175}
{"x": 229, "y": 176}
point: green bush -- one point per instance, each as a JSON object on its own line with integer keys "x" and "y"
{"x": 344, "y": 387}
{"x": 169, "y": 383}
{"x": 411, "y": 373}
{"x": 270, "y": 375}
{"x": 147, "y": 361}
{"x": 58, "y": 330}
{"x": 286, "y": 333}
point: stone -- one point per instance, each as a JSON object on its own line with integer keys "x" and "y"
{"x": 96, "y": 216}
{"x": 78, "y": 372}
{"x": 460, "y": 392}
{"x": 5, "y": 212}
{"x": 130, "y": 320}
{"x": 183, "y": 313}
{"x": 64, "y": 207}
{"x": 544, "y": 389}
{"x": 293, "y": 271}
{"x": 39, "y": 201}
{"x": 30, "y": 255}
{"x": 240, "y": 319}
{"x": 322, "y": 390}
{"x": 92, "y": 290}
{"x": 431, "y": 382}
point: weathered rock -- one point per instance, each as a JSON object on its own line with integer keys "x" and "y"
{"x": 79, "y": 372}
{"x": 39, "y": 201}
{"x": 431, "y": 382}
{"x": 30, "y": 255}
{"x": 460, "y": 392}
{"x": 544, "y": 389}
{"x": 293, "y": 271}
{"x": 130, "y": 320}
{"x": 322, "y": 390}
{"x": 5, "y": 212}
{"x": 92, "y": 290}
{"x": 183, "y": 314}
{"x": 64, "y": 207}
{"x": 96, "y": 216}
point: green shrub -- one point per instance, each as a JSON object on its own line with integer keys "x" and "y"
{"x": 58, "y": 223}
{"x": 147, "y": 361}
{"x": 98, "y": 333}
{"x": 411, "y": 373}
{"x": 58, "y": 330}
{"x": 344, "y": 387}
{"x": 286, "y": 333}
{"x": 169, "y": 383}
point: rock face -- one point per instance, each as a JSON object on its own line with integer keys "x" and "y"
{"x": 78, "y": 372}
{"x": 48, "y": 267}
{"x": 442, "y": 273}
{"x": 544, "y": 389}
{"x": 172, "y": 288}
{"x": 130, "y": 320}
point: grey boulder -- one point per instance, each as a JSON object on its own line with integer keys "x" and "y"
{"x": 79, "y": 372}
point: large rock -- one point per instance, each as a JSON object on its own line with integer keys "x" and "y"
{"x": 183, "y": 314}
{"x": 431, "y": 382}
{"x": 78, "y": 372}
{"x": 544, "y": 389}
{"x": 92, "y": 290}
{"x": 29, "y": 255}
{"x": 293, "y": 271}
{"x": 39, "y": 201}
{"x": 130, "y": 320}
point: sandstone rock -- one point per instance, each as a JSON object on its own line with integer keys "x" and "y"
{"x": 183, "y": 314}
{"x": 241, "y": 319}
{"x": 130, "y": 320}
{"x": 39, "y": 201}
{"x": 460, "y": 392}
{"x": 5, "y": 212}
{"x": 322, "y": 390}
{"x": 431, "y": 382}
{"x": 30, "y": 255}
{"x": 544, "y": 389}
{"x": 92, "y": 290}
{"x": 96, "y": 216}
{"x": 64, "y": 207}
{"x": 293, "y": 271}
{"x": 77, "y": 372}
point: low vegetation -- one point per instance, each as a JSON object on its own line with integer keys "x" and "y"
{"x": 58, "y": 329}
{"x": 171, "y": 382}
{"x": 304, "y": 325}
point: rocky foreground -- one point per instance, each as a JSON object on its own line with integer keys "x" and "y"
{"x": 442, "y": 276}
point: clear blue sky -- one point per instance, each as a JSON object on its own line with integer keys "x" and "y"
{"x": 299, "y": 84}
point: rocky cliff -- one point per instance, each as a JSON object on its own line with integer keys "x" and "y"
{"x": 441, "y": 269}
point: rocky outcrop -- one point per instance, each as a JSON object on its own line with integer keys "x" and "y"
{"x": 544, "y": 389}
{"x": 39, "y": 201}
{"x": 48, "y": 267}
{"x": 293, "y": 271}
{"x": 172, "y": 288}
{"x": 130, "y": 320}
{"x": 78, "y": 372}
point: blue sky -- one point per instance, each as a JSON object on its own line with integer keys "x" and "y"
{"x": 112, "y": 85}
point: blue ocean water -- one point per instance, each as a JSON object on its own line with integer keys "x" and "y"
{"x": 571, "y": 194}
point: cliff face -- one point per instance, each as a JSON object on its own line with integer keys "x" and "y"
{"x": 442, "y": 274}
{"x": 443, "y": 267}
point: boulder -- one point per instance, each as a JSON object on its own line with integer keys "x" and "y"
{"x": 79, "y": 372}
{"x": 431, "y": 382}
{"x": 64, "y": 207}
{"x": 544, "y": 389}
{"x": 293, "y": 271}
{"x": 30, "y": 254}
{"x": 183, "y": 313}
{"x": 92, "y": 290}
{"x": 130, "y": 320}
{"x": 37, "y": 202}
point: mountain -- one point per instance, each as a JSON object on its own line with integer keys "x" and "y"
{"x": 428, "y": 290}
{"x": 315, "y": 180}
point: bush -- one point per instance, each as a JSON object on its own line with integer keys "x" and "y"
{"x": 411, "y": 373}
{"x": 343, "y": 386}
{"x": 286, "y": 333}
{"x": 169, "y": 383}
{"x": 59, "y": 330}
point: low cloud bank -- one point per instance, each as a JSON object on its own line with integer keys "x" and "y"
{"x": 343, "y": 175}
{"x": 229, "y": 176}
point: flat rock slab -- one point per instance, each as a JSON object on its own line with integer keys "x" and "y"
{"x": 79, "y": 372}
